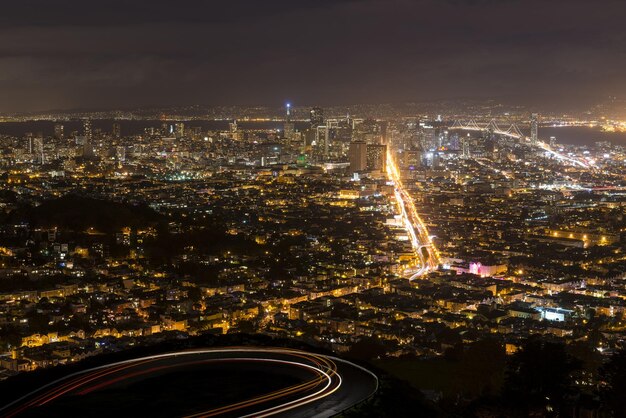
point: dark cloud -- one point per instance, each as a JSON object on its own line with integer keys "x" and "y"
{"x": 117, "y": 53}
{"x": 125, "y": 12}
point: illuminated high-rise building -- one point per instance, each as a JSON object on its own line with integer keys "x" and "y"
{"x": 30, "y": 142}
{"x": 383, "y": 127}
{"x": 534, "y": 125}
{"x": 195, "y": 132}
{"x": 117, "y": 130}
{"x": 87, "y": 133}
{"x": 412, "y": 159}
{"x": 39, "y": 149}
{"x": 288, "y": 128}
{"x": 358, "y": 156}
{"x": 376, "y": 157}
{"x": 465, "y": 147}
{"x": 316, "y": 116}
{"x": 120, "y": 154}
{"x": 427, "y": 137}
{"x": 321, "y": 134}
{"x": 235, "y": 133}
{"x": 58, "y": 131}
{"x": 179, "y": 129}
{"x": 88, "y": 151}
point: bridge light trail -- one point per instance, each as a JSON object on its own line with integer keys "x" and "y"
{"x": 540, "y": 144}
{"x": 573, "y": 161}
{"x": 416, "y": 229}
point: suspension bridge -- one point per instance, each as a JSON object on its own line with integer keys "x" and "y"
{"x": 515, "y": 133}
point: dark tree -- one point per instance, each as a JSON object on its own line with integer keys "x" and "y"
{"x": 367, "y": 349}
{"x": 613, "y": 375}
{"x": 539, "y": 379}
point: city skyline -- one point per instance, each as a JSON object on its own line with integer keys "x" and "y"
{"x": 405, "y": 242}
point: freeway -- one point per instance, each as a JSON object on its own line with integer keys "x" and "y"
{"x": 425, "y": 251}
{"x": 293, "y": 384}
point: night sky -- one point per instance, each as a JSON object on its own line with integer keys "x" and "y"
{"x": 106, "y": 54}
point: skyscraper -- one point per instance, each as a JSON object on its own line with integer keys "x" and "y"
{"x": 411, "y": 159}
{"x": 58, "y": 131}
{"x": 358, "y": 156}
{"x": 117, "y": 130}
{"x": 30, "y": 142}
{"x": 120, "y": 153}
{"x": 533, "y": 128}
{"x": 465, "y": 147}
{"x": 39, "y": 149}
{"x": 316, "y": 116}
{"x": 288, "y": 128}
{"x": 376, "y": 157}
{"x": 179, "y": 130}
{"x": 327, "y": 138}
{"x": 88, "y": 151}
{"x": 87, "y": 129}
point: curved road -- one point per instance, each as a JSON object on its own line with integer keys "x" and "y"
{"x": 325, "y": 385}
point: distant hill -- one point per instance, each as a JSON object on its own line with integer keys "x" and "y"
{"x": 79, "y": 213}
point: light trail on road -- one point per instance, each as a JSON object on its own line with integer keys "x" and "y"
{"x": 325, "y": 382}
{"x": 415, "y": 227}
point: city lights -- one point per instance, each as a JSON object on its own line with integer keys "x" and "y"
{"x": 312, "y": 209}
